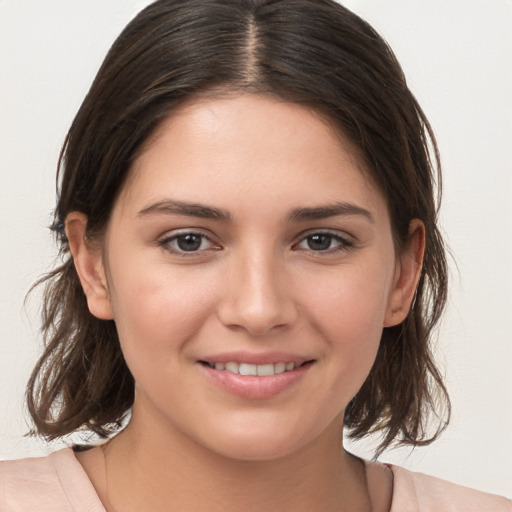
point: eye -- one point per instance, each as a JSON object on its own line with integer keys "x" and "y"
{"x": 324, "y": 242}
{"x": 187, "y": 242}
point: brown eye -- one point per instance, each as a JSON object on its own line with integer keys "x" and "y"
{"x": 319, "y": 242}
{"x": 189, "y": 243}
{"x": 184, "y": 243}
{"x": 324, "y": 242}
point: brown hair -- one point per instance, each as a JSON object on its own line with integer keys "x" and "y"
{"x": 314, "y": 52}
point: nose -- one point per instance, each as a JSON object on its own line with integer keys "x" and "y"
{"x": 257, "y": 296}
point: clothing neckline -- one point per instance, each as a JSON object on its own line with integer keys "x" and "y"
{"x": 68, "y": 468}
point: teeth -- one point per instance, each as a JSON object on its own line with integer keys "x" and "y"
{"x": 282, "y": 367}
{"x": 254, "y": 369}
{"x": 266, "y": 369}
{"x": 231, "y": 367}
{"x": 248, "y": 369}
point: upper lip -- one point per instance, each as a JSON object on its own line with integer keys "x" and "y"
{"x": 256, "y": 358}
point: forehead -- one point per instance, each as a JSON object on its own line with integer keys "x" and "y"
{"x": 233, "y": 147}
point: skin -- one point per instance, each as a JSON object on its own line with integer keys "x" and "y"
{"x": 258, "y": 283}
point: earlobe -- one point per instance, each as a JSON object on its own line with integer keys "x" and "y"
{"x": 407, "y": 275}
{"x": 88, "y": 262}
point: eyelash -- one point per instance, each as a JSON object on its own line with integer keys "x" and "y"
{"x": 166, "y": 243}
{"x": 344, "y": 244}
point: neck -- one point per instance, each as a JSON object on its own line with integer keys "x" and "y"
{"x": 148, "y": 468}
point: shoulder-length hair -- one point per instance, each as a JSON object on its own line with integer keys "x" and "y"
{"x": 312, "y": 52}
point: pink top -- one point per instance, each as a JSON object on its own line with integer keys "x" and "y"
{"x": 57, "y": 483}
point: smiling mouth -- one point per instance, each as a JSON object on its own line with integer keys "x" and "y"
{"x": 259, "y": 370}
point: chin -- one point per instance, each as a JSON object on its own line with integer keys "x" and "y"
{"x": 261, "y": 449}
{"x": 259, "y": 440}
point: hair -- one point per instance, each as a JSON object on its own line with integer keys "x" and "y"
{"x": 311, "y": 52}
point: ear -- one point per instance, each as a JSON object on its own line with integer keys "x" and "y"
{"x": 407, "y": 275}
{"x": 88, "y": 261}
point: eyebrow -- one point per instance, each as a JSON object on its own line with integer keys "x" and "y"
{"x": 331, "y": 210}
{"x": 169, "y": 206}
{"x": 173, "y": 207}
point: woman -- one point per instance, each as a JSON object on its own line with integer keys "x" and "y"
{"x": 252, "y": 264}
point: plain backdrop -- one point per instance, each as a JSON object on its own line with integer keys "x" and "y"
{"x": 457, "y": 56}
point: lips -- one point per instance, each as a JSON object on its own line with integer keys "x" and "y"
{"x": 252, "y": 376}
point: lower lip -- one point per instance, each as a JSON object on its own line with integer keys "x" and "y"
{"x": 253, "y": 387}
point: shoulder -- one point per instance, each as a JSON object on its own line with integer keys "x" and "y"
{"x": 55, "y": 483}
{"x": 416, "y": 492}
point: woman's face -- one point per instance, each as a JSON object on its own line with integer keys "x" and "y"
{"x": 248, "y": 240}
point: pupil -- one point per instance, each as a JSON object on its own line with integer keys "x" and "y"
{"x": 189, "y": 242}
{"x": 319, "y": 242}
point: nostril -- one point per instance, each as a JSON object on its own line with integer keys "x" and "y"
{"x": 257, "y": 306}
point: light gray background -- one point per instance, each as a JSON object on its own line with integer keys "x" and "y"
{"x": 457, "y": 56}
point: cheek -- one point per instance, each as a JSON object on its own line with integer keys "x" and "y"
{"x": 348, "y": 309}
{"x": 157, "y": 309}
{"x": 349, "y": 301}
